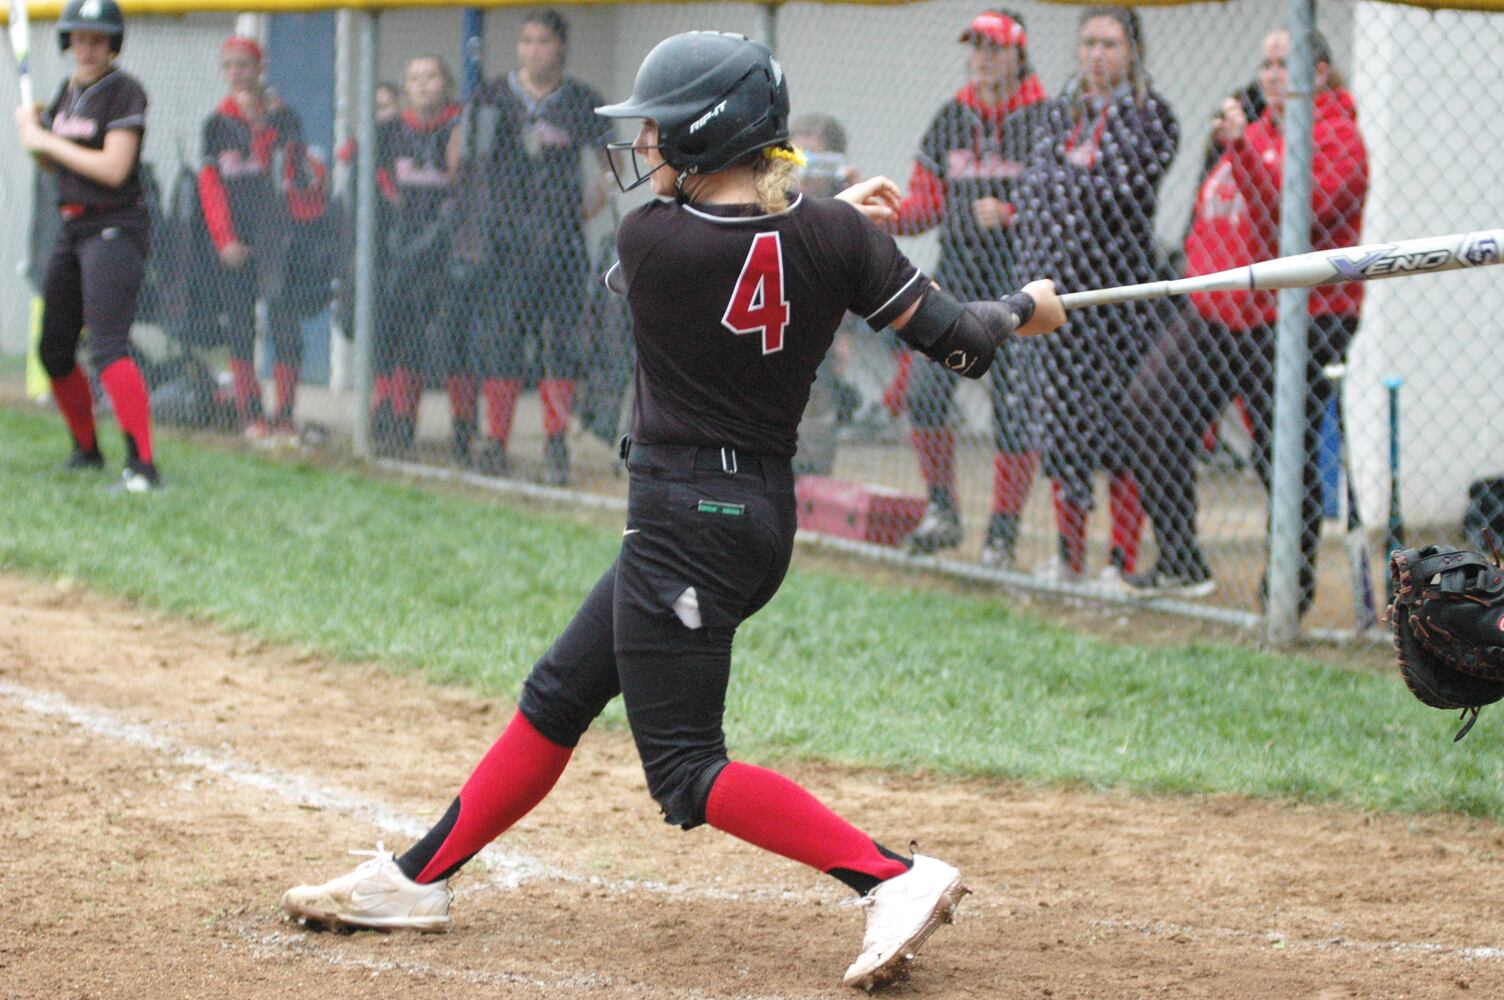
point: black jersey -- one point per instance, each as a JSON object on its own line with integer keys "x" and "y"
{"x": 529, "y": 151}
{"x": 245, "y": 167}
{"x": 977, "y": 155}
{"x": 83, "y": 115}
{"x": 733, "y": 311}
{"x": 412, "y": 153}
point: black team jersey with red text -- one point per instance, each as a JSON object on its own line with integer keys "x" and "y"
{"x": 733, "y": 311}
{"x": 413, "y": 170}
{"x": 239, "y": 183}
{"x": 83, "y": 115}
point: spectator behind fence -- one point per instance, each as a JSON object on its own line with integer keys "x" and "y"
{"x": 1087, "y": 204}
{"x": 821, "y": 140}
{"x": 963, "y": 182}
{"x": 255, "y": 184}
{"x": 413, "y": 154}
{"x": 524, "y": 256}
{"x": 1225, "y": 346}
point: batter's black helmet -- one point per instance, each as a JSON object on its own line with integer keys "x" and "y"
{"x": 715, "y": 97}
{"x": 102, "y": 16}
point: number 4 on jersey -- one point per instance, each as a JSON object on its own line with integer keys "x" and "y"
{"x": 757, "y": 303}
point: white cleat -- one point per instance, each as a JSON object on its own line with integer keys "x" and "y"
{"x": 375, "y": 895}
{"x": 901, "y": 913}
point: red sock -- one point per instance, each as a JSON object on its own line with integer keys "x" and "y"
{"x": 513, "y": 777}
{"x": 76, "y": 404}
{"x": 557, "y": 397}
{"x": 1012, "y": 478}
{"x": 1127, "y": 516}
{"x": 936, "y": 448}
{"x": 381, "y": 391}
{"x": 1243, "y": 410}
{"x": 770, "y": 811}
{"x": 243, "y": 379}
{"x": 501, "y": 406}
{"x": 286, "y": 379}
{"x": 1070, "y": 520}
{"x": 406, "y": 391}
{"x": 897, "y": 392}
{"x": 462, "y": 393}
{"x": 127, "y": 391}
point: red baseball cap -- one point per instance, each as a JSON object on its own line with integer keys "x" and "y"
{"x": 999, "y": 29}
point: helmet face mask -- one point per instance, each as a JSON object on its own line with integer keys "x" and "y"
{"x": 715, "y": 97}
{"x": 627, "y": 150}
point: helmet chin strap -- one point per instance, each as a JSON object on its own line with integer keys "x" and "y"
{"x": 679, "y": 181}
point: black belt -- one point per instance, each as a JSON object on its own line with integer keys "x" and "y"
{"x": 727, "y": 459}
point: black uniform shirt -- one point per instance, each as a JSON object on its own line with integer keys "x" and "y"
{"x": 977, "y": 157}
{"x": 83, "y": 115}
{"x": 412, "y": 151}
{"x": 733, "y": 311}
{"x": 253, "y": 163}
{"x": 533, "y": 149}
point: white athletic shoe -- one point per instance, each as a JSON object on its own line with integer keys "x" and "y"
{"x": 375, "y": 895}
{"x": 901, "y": 913}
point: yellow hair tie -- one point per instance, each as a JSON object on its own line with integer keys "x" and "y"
{"x": 794, "y": 155}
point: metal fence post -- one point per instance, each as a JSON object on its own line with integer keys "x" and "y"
{"x": 472, "y": 50}
{"x": 1282, "y": 602}
{"x": 767, "y": 25}
{"x": 365, "y": 228}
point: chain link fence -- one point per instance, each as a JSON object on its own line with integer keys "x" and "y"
{"x": 1127, "y": 456}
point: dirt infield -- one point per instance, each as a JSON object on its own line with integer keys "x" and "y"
{"x": 164, "y": 781}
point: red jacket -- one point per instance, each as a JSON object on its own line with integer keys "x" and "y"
{"x": 1237, "y": 211}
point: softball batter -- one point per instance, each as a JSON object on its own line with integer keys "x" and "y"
{"x": 91, "y": 135}
{"x": 735, "y": 293}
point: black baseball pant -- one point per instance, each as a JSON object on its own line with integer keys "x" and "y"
{"x": 93, "y": 280}
{"x": 719, "y": 525}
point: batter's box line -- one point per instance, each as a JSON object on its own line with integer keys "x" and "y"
{"x": 1277, "y": 939}
{"x": 508, "y": 869}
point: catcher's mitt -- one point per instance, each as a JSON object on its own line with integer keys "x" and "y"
{"x": 1448, "y": 621}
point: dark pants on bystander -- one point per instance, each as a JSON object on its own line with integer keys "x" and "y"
{"x": 1193, "y": 371}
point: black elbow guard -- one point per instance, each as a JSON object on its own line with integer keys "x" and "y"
{"x": 952, "y": 334}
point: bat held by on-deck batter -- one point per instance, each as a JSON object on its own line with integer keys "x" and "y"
{"x": 20, "y": 46}
{"x": 1368, "y": 262}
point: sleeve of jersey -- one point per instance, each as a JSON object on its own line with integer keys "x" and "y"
{"x": 216, "y": 205}
{"x": 887, "y": 283}
{"x": 128, "y": 110}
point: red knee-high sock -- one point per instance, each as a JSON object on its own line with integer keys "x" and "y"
{"x": 1070, "y": 520}
{"x": 381, "y": 391}
{"x": 285, "y": 378}
{"x": 76, "y": 403}
{"x": 1012, "y": 478}
{"x": 557, "y": 397}
{"x": 936, "y": 449}
{"x": 897, "y": 392}
{"x": 770, "y": 811}
{"x": 463, "y": 390}
{"x": 406, "y": 391}
{"x": 501, "y": 406}
{"x": 246, "y": 388}
{"x": 1127, "y": 516}
{"x": 127, "y": 391}
{"x": 513, "y": 777}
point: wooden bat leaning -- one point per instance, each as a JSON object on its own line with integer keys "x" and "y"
{"x": 20, "y": 46}
{"x": 1368, "y": 262}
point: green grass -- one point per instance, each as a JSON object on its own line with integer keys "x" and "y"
{"x": 836, "y": 669}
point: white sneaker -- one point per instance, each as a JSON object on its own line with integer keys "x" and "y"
{"x": 901, "y": 913}
{"x": 375, "y": 895}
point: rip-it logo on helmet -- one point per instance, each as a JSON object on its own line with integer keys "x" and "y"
{"x": 704, "y": 119}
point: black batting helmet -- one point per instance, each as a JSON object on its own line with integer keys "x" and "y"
{"x": 102, "y": 16}
{"x": 715, "y": 97}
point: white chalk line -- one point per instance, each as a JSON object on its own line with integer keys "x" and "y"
{"x": 508, "y": 869}
{"x": 511, "y": 869}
